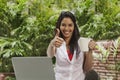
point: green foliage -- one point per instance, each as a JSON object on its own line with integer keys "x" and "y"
{"x": 105, "y": 22}
{"x": 25, "y": 30}
{"x": 10, "y": 78}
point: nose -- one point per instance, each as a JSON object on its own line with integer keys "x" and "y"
{"x": 66, "y": 27}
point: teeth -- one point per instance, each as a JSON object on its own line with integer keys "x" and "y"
{"x": 66, "y": 32}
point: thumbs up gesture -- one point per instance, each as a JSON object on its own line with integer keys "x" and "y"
{"x": 57, "y": 41}
{"x": 57, "y": 32}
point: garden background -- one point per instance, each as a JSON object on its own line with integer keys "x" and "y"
{"x": 27, "y": 26}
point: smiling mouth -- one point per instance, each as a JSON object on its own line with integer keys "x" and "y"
{"x": 67, "y": 33}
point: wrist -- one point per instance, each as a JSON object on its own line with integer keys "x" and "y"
{"x": 90, "y": 51}
{"x": 52, "y": 43}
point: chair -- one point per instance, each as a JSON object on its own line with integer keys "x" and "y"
{"x": 92, "y": 75}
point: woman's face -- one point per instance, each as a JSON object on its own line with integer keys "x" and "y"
{"x": 67, "y": 27}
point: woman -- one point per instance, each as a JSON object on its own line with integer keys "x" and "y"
{"x": 71, "y": 62}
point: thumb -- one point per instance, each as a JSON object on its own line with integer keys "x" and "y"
{"x": 57, "y": 32}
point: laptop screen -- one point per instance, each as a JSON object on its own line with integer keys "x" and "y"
{"x": 33, "y": 68}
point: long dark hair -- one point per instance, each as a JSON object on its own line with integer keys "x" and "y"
{"x": 75, "y": 36}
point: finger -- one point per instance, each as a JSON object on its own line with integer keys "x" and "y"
{"x": 60, "y": 39}
{"x": 58, "y": 44}
{"x": 57, "y": 32}
{"x": 57, "y": 41}
{"x": 92, "y": 44}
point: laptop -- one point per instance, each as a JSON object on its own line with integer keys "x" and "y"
{"x": 33, "y": 68}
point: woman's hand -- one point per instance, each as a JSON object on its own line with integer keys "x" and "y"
{"x": 92, "y": 45}
{"x": 57, "y": 41}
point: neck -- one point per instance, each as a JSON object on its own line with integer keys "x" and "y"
{"x": 67, "y": 40}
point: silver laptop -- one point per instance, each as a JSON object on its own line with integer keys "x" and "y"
{"x": 33, "y": 68}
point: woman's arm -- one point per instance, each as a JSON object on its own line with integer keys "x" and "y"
{"x": 88, "y": 58}
{"x": 51, "y": 50}
{"x": 55, "y": 43}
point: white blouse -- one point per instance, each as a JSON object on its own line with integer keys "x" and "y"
{"x": 66, "y": 69}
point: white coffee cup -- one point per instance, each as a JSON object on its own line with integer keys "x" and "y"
{"x": 83, "y": 43}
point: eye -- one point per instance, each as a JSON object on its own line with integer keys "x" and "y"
{"x": 70, "y": 25}
{"x": 63, "y": 24}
